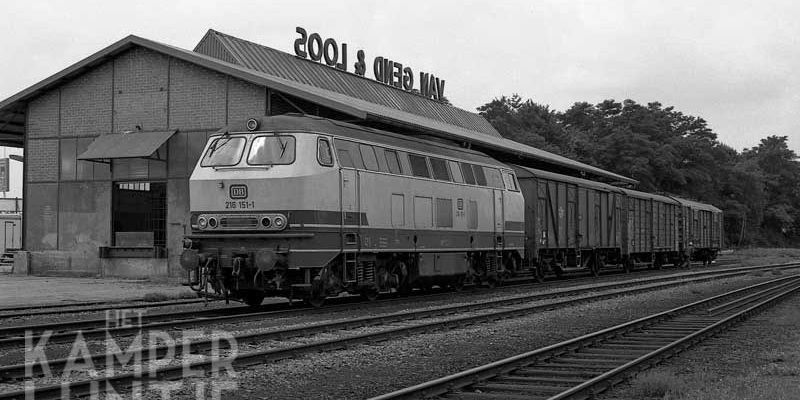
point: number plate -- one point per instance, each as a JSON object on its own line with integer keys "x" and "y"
{"x": 238, "y": 191}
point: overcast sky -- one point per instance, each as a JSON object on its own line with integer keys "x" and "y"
{"x": 731, "y": 62}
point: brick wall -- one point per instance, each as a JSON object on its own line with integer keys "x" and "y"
{"x": 69, "y": 201}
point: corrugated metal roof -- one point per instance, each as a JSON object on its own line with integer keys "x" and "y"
{"x": 283, "y": 65}
{"x": 125, "y": 145}
{"x": 354, "y": 106}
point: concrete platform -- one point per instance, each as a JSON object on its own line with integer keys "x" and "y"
{"x": 16, "y": 290}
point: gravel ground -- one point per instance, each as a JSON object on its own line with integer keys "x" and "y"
{"x": 370, "y": 370}
{"x": 759, "y": 359}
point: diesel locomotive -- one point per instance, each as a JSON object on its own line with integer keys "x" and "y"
{"x": 307, "y": 208}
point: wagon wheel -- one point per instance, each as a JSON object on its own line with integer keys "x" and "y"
{"x": 316, "y": 298}
{"x": 538, "y": 272}
{"x": 597, "y": 265}
{"x": 627, "y": 265}
{"x": 458, "y": 283}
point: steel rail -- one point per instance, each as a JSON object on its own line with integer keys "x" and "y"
{"x": 258, "y": 357}
{"x": 17, "y": 371}
{"x": 16, "y": 336}
{"x": 592, "y": 342}
{"x": 97, "y": 306}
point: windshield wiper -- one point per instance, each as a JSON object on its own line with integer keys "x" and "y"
{"x": 217, "y": 145}
{"x": 283, "y": 147}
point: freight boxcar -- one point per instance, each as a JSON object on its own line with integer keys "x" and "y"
{"x": 570, "y": 222}
{"x": 700, "y": 230}
{"x": 650, "y": 233}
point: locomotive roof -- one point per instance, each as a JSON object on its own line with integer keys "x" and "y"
{"x": 310, "y": 123}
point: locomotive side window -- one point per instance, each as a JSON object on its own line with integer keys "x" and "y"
{"x": 272, "y": 150}
{"x": 493, "y": 177}
{"x": 480, "y": 177}
{"x": 324, "y": 154}
{"x": 392, "y": 161}
{"x": 349, "y": 154}
{"x": 419, "y": 166}
{"x": 381, "y": 159}
{"x": 469, "y": 176}
{"x": 439, "y": 167}
{"x": 456, "y": 171}
{"x": 510, "y": 182}
{"x": 224, "y": 151}
{"x": 368, "y": 155}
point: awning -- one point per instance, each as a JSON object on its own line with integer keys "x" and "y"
{"x": 125, "y": 145}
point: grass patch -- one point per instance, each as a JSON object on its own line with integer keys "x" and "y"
{"x": 757, "y": 273}
{"x": 777, "y": 272}
{"x": 657, "y": 384}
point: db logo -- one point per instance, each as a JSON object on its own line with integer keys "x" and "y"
{"x": 238, "y": 191}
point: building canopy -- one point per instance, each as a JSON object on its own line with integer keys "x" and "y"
{"x": 125, "y": 145}
{"x": 363, "y": 99}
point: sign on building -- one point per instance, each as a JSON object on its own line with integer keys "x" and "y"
{"x": 4, "y": 174}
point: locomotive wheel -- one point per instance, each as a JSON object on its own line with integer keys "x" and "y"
{"x": 253, "y": 298}
{"x": 370, "y": 294}
{"x": 596, "y": 266}
{"x": 627, "y": 265}
{"x": 316, "y": 301}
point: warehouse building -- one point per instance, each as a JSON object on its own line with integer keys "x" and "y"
{"x": 110, "y": 142}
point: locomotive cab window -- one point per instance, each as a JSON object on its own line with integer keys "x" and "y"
{"x": 419, "y": 166}
{"x": 324, "y": 154}
{"x": 225, "y": 151}
{"x": 272, "y": 150}
{"x": 509, "y": 181}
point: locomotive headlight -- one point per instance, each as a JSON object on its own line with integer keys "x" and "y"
{"x": 202, "y": 222}
{"x": 280, "y": 221}
{"x": 212, "y": 222}
{"x": 266, "y": 222}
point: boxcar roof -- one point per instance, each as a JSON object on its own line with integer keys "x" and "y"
{"x": 529, "y": 173}
{"x": 645, "y": 195}
{"x": 310, "y": 123}
{"x": 696, "y": 205}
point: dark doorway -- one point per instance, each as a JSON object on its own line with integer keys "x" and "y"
{"x": 140, "y": 214}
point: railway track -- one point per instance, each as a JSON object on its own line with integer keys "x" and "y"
{"x": 66, "y": 332}
{"x": 96, "y": 306}
{"x": 315, "y": 337}
{"x": 583, "y": 367}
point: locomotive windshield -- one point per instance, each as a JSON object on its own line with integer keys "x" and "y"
{"x": 271, "y": 150}
{"x": 224, "y": 151}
